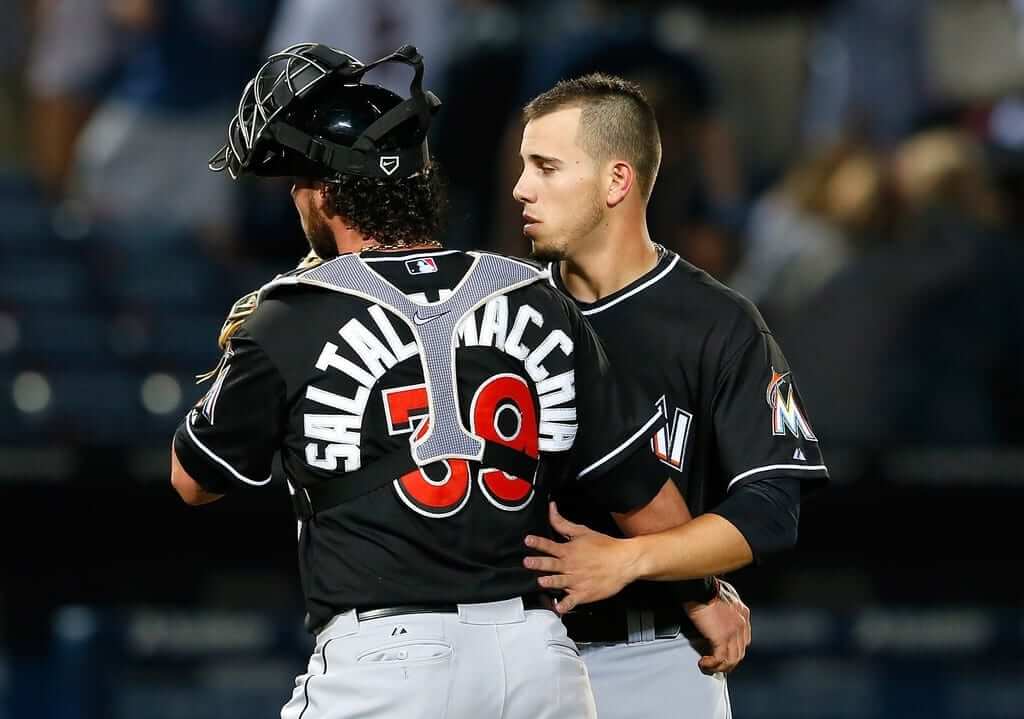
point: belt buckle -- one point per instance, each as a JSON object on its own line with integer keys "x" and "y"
{"x": 640, "y": 626}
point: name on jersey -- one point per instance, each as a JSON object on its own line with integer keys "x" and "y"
{"x": 335, "y": 435}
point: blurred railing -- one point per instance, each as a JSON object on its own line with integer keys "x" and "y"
{"x": 165, "y": 665}
{"x": 882, "y": 663}
{"x": 873, "y": 664}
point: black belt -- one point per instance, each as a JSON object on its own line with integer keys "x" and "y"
{"x": 530, "y": 601}
{"x": 617, "y": 625}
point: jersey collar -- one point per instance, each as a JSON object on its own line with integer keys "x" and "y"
{"x": 667, "y": 259}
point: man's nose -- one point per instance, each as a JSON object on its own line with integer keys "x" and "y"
{"x": 519, "y": 192}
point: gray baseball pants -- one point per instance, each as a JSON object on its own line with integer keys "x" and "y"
{"x": 658, "y": 678}
{"x": 491, "y": 660}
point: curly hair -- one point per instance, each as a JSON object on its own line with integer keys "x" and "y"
{"x": 393, "y": 212}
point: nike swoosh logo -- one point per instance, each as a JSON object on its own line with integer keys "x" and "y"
{"x": 420, "y": 321}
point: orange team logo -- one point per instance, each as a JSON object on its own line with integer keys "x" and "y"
{"x": 786, "y": 413}
{"x": 669, "y": 443}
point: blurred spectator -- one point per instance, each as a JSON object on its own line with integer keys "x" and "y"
{"x": 1004, "y": 133}
{"x": 974, "y": 48}
{"x": 65, "y": 81}
{"x": 141, "y": 155}
{"x": 577, "y": 30}
{"x": 758, "y": 57}
{"x": 920, "y": 341}
{"x": 809, "y": 227}
{"x": 944, "y": 171}
{"x": 13, "y": 32}
{"x": 867, "y": 70}
{"x": 370, "y": 29}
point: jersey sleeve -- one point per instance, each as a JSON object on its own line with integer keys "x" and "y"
{"x": 760, "y": 423}
{"x": 228, "y": 439}
{"x": 614, "y": 422}
{"x": 633, "y": 483}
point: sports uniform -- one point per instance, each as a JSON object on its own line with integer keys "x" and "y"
{"x": 423, "y": 404}
{"x": 737, "y": 443}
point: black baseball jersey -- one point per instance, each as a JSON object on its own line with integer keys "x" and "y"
{"x": 334, "y": 381}
{"x": 702, "y": 354}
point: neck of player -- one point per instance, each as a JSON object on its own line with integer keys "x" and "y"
{"x": 348, "y": 239}
{"x": 617, "y": 253}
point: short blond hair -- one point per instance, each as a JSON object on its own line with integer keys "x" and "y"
{"x": 616, "y": 120}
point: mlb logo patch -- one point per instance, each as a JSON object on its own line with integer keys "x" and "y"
{"x": 421, "y": 266}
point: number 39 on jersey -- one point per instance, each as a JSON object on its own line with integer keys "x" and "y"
{"x": 502, "y": 411}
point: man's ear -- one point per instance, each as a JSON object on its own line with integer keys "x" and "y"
{"x": 622, "y": 177}
{"x": 322, "y": 199}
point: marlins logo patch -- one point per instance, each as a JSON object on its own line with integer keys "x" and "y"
{"x": 786, "y": 413}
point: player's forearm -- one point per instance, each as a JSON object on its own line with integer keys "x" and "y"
{"x": 666, "y": 510}
{"x": 703, "y": 547}
{"x": 190, "y": 491}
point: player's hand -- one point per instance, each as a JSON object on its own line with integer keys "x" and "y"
{"x": 725, "y": 623}
{"x": 590, "y": 566}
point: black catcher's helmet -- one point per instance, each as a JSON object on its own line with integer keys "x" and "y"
{"x": 307, "y": 113}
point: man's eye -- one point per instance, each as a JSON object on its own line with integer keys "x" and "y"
{"x": 547, "y": 169}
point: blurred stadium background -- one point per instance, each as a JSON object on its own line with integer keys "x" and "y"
{"x": 856, "y": 167}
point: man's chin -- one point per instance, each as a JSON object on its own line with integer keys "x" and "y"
{"x": 546, "y": 253}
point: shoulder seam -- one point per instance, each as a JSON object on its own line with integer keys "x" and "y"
{"x": 246, "y": 335}
{"x": 728, "y": 365}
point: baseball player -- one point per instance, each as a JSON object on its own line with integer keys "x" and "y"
{"x": 737, "y": 443}
{"x": 423, "y": 403}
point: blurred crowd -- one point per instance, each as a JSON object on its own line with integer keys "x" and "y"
{"x": 855, "y": 167}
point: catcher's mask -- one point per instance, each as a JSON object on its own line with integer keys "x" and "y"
{"x": 307, "y": 113}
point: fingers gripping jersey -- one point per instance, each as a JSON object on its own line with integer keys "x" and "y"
{"x": 434, "y": 329}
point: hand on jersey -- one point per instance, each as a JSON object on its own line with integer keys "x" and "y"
{"x": 725, "y": 623}
{"x": 590, "y": 566}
